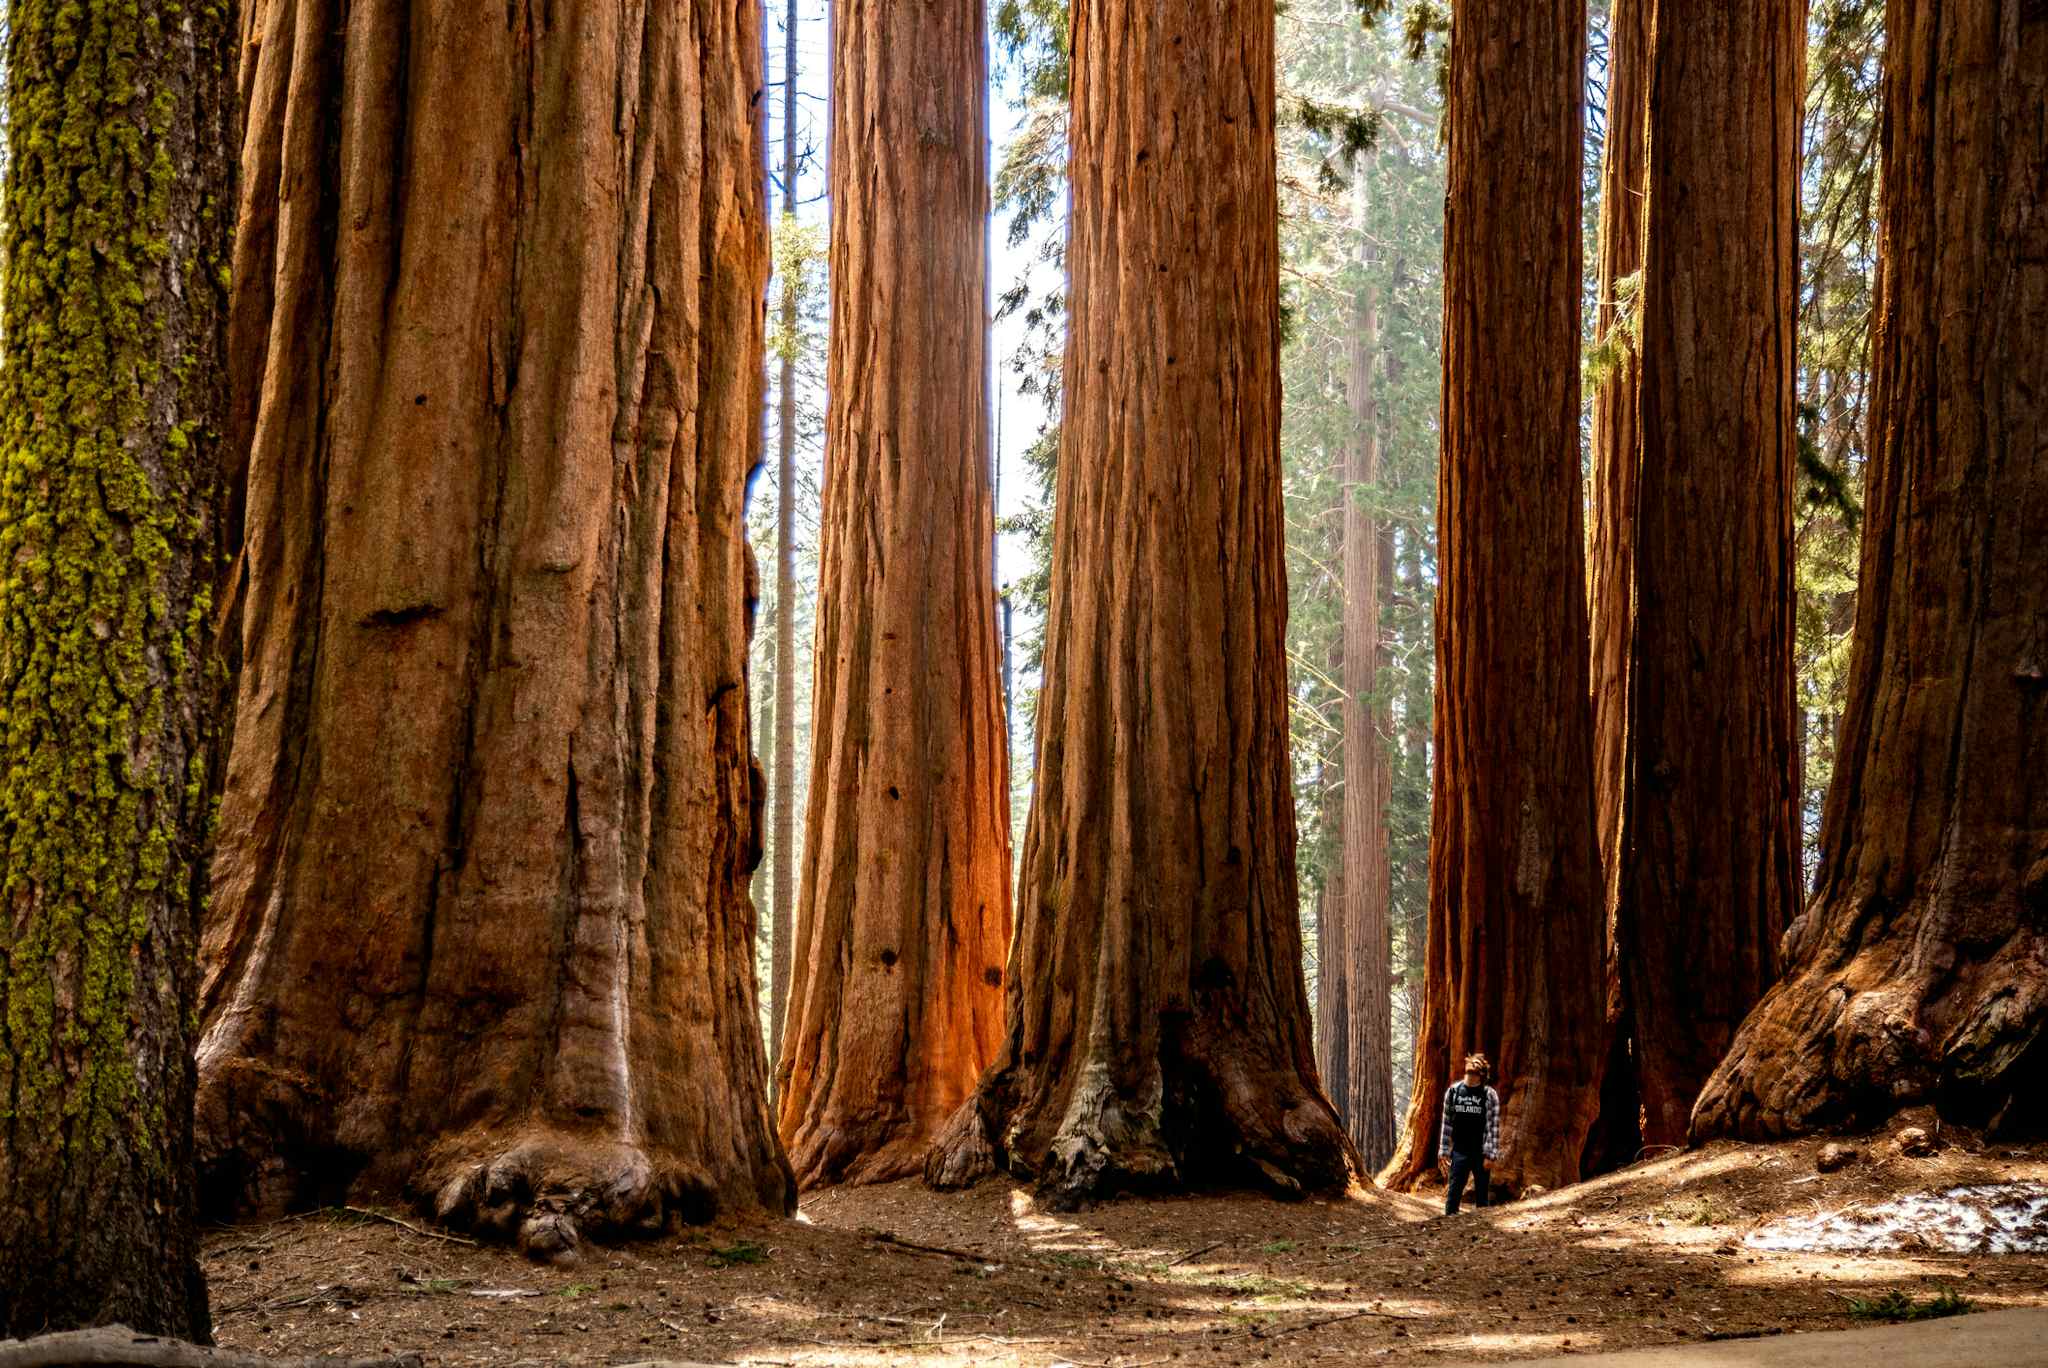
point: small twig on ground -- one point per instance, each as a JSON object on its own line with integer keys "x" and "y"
{"x": 408, "y": 1225}
{"x": 1005, "y": 1341}
{"x": 884, "y": 1237}
{"x": 1260, "y": 1332}
{"x": 1196, "y": 1253}
{"x": 118, "y": 1345}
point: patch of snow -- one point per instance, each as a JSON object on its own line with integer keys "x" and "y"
{"x": 1988, "y": 1218}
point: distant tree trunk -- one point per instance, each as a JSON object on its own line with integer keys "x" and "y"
{"x": 1617, "y": 461}
{"x": 1158, "y": 1029}
{"x": 1369, "y": 1099}
{"x": 904, "y": 916}
{"x": 480, "y": 932}
{"x": 1915, "y": 973}
{"x": 111, "y": 406}
{"x": 1709, "y": 858}
{"x": 1333, "y": 964}
{"x": 1514, "y": 963}
{"x": 781, "y": 931}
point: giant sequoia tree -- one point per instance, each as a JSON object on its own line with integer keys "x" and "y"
{"x": 1916, "y": 972}
{"x": 1157, "y": 1026}
{"x": 1617, "y": 459}
{"x": 1514, "y": 957}
{"x": 480, "y": 931}
{"x": 120, "y": 123}
{"x": 904, "y": 918}
{"x": 1708, "y": 862}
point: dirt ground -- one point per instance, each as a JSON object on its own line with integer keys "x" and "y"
{"x": 1650, "y": 1255}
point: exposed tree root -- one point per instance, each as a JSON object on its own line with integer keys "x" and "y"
{"x": 117, "y": 1344}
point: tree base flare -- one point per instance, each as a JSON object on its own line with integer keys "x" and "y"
{"x": 1110, "y": 1142}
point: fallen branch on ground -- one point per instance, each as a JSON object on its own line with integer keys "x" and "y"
{"x": 884, "y": 1237}
{"x": 117, "y": 1344}
{"x": 1259, "y": 1332}
{"x": 1195, "y": 1253}
{"x": 408, "y": 1225}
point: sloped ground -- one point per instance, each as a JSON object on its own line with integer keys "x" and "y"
{"x": 1652, "y": 1255}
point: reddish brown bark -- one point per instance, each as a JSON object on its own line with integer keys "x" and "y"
{"x": 1158, "y": 1030}
{"x": 1617, "y": 461}
{"x": 1709, "y": 856}
{"x": 115, "y": 234}
{"x": 480, "y": 931}
{"x": 1514, "y": 958}
{"x": 1919, "y": 971}
{"x": 904, "y": 917}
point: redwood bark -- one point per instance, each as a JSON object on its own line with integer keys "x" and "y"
{"x": 1919, "y": 971}
{"x": 904, "y": 918}
{"x": 1367, "y": 883}
{"x": 1158, "y": 1030}
{"x": 121, "y": 126}
{"x": 1514, "y": 960}
{"x": 1709, "y": 849}
{"x": 480, "y": 932}
{"x": 1617, "y": 462}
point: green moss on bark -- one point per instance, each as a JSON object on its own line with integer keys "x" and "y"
{"x": 110, "y": 394}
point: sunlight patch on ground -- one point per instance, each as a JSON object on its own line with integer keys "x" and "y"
{"x": 1862, "y": 1269}
{"x": 1509, "y": 1343}
{"x": 1988, "y": 1218}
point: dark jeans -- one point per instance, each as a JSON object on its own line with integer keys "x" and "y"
{"x": 1465, "y": 1166}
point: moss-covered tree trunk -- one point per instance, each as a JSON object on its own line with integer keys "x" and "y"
{"x": 903, "y": 921}
{"x": 1514, "y": 966}
{"x": 112, "y": 402}
{"x": 1709, "y": 860}
{"x": 1916, "y": 972}
{"x": 480, "y": 932}
{"x": 1158, "y": 1030}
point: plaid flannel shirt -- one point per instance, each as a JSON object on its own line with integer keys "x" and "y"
{"x": 1492, "y": 1145}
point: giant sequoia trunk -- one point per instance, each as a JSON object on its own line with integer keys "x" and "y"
{"x": 1158, "y": 1030}
{"x": 1366, "y": 887}
{"x": 1916, "y": 972}
{"x": 1709, "y": 860}
{"x": 1617, "y": 459}
{"x": 904, "y": 918}
{"x": 1514, "y": 959}
{"x": 1617, "y": 438}
{"x": 111, "y": 533}
{"x": 480, "y": 930}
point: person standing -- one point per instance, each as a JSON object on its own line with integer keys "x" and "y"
{"x": 1470, "y": 1136}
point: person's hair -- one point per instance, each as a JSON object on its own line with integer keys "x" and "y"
{"x": 1477, "y": 1063}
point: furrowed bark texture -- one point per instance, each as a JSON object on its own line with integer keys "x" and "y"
{"x": 1367, "y": 883}
{"x": 480, "y": 933}
{"x": 904, "y": 918}
{"x": 1514, "y": 959}
{"x": 1158, "y": 1030}
{"x": 121, "y": 128}
{"x": 1709, "y": 857}
{"x": 1617, "y": 460}
{"x": 1919, "y": 971}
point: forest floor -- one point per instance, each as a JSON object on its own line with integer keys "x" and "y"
{"x": 1660, "y": 1253}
